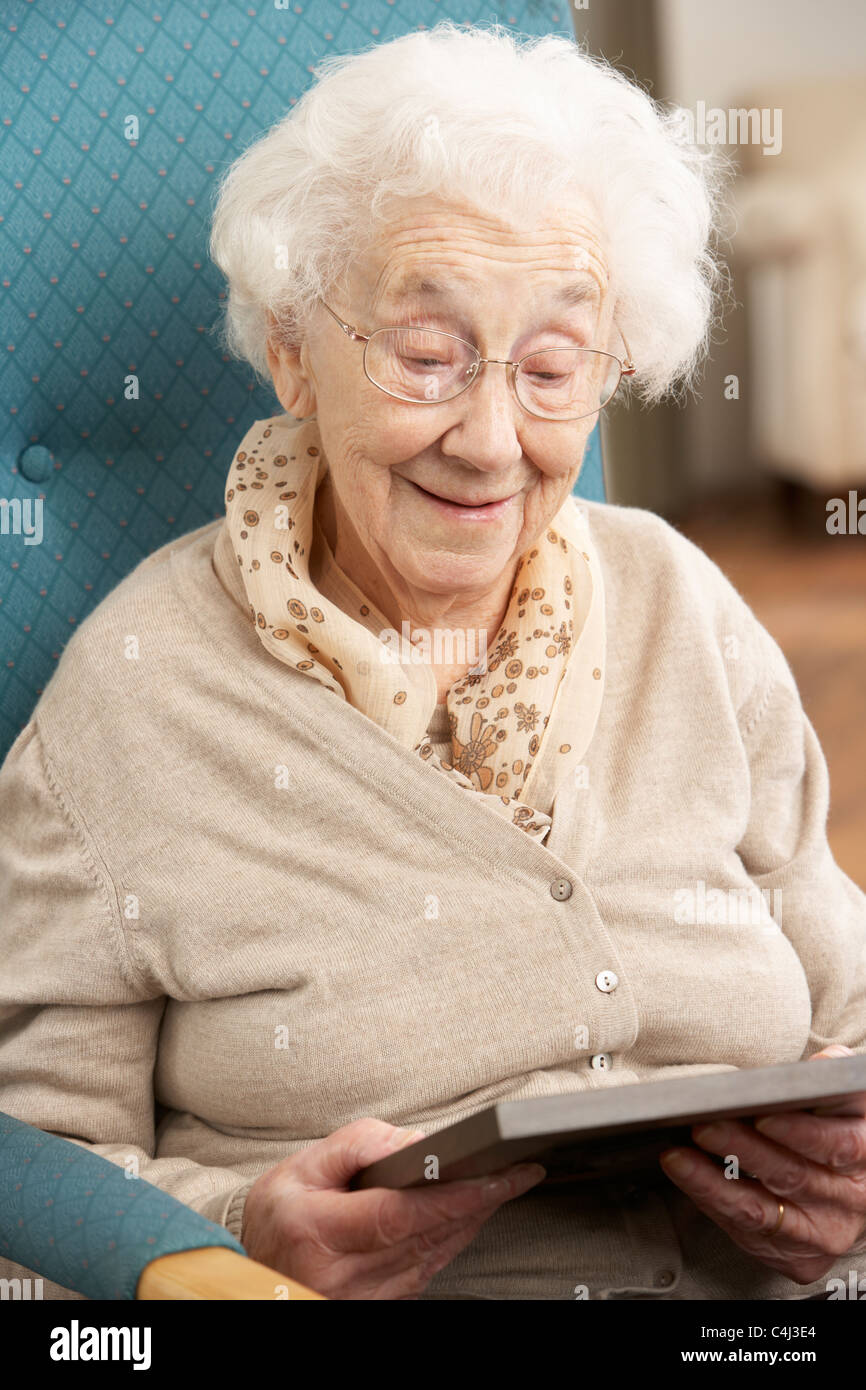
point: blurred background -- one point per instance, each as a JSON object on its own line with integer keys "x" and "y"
{"x": 765, "y": 467}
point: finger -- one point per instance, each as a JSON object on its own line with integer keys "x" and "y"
{"x": 332, "y": 1162}
{"x": 782, "y": 1171}
{"x": 392, "y": 1217}
{"x": 855, "y": 1104}
{"x": 380, "y": 1218}
{"x": 836, "y": 1143}
{"x": 406, "y": 1268}
{"x": 743, "y": 1209}
{"x": 449, "y": 1243}
{"x": 808, "y": 1238}
{"x": 410, "y": 1280}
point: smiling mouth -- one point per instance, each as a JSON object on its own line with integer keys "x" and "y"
{"x": 460, "y": 502}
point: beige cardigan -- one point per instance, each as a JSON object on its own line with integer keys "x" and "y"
{"x": 224, "y": 889}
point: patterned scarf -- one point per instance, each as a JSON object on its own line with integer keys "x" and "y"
{"x": 519, "y": 724}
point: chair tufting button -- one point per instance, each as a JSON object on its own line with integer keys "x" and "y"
{"x": 35, "y": 463}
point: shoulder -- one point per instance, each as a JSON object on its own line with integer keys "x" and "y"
{"x": 639, "y": 547}
{"x": 123, "y": 657}
{"x": 146, "y": 598}
{"x": 668, "y": 601}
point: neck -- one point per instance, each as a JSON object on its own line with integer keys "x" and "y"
{"x": 478, "y": 616}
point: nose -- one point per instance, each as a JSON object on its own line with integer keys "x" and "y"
{"x": 485, "y": 432}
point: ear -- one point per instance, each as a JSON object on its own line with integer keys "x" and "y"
{"x": 295, "y": 390}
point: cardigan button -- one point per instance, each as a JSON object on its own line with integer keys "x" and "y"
{"x": 606, "y": 981}
{"x": 664, "y": 1278}
{"x": 561, "y": 889}
{"x": 601, "y": 1061}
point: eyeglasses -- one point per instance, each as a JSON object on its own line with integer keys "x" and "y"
{"x": 427, "y": 367}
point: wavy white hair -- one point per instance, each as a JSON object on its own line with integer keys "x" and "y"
{"x": 503, "y": 122}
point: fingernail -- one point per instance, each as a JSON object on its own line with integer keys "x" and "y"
{"x": 401, "y": 1141}
{"x": 522, "y": 1178}
{"x": 679, "y": 1162}
{"x": 839, "y": 1050}
{"x": 529, "y": 1173}
{"x": 496, "y": 1188}
{"x": 773, "y": 1126}
{"x": 708, "y": 1134}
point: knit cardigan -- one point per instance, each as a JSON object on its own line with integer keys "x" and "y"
{"x": 236, "y": 914}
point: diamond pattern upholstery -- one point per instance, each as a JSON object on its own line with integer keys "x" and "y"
{"x": 76, "y": 1218}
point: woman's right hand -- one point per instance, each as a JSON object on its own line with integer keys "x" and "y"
{"x": 301, "y": 1219}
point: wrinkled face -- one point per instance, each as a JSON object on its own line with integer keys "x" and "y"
{"x": 444, "y": 498}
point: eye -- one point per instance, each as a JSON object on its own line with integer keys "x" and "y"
{"x": 426, "y": 362}
{"x": 554, "y": 361}
{"x": 543, "y": 377}
{"x": 424, "y": 350}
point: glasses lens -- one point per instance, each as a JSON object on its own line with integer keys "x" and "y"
{"x": 418, "y": 364}
{"x": 566, "y": 383}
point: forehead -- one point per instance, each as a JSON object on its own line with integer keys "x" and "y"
{"x": 434, "y": 252}
{"x": 438, "y": 287}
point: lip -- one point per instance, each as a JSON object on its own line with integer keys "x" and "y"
{"x": 470, "y": 511}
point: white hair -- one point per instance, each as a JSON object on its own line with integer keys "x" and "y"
{"x": 504, "y": 123}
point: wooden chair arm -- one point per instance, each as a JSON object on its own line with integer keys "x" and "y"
{"x": 215, "y": 1272}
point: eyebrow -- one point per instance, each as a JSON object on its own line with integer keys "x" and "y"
{"x": 424, "y": 287}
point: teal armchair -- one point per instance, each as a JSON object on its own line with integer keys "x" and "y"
{"x": 71, "y": 1216}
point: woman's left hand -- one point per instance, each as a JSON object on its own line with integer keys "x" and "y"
{"x": 814, "y": 1164}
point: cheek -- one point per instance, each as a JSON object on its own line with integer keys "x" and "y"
{"x": 362, "y": 475}
{"x": 558, "y": 468}
{"x": 557, "y": 465}
{"x": 365, "y": 455}
{"x": 556, "y": 450}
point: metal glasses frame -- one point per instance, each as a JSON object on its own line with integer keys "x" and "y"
{"x": 626, "y": 366}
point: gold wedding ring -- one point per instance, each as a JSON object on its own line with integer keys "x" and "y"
{"x": 778, "y": 1221}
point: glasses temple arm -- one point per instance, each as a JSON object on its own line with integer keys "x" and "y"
{"x": 628, "y": 366}
{"x": 349, "y": 330}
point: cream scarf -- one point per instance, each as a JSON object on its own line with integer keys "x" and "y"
{"x": 518, "y": 727}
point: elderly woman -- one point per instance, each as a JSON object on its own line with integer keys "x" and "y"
{"x": 410, "y": 784}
